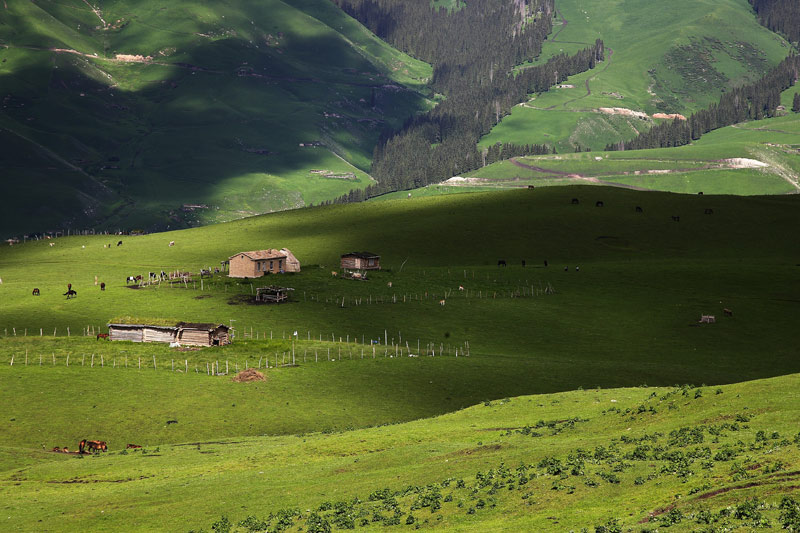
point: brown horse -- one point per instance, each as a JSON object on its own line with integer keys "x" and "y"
{"x": 85, "y": 446}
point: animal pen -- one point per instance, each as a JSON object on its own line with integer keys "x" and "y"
{"x": 273, "y": 294}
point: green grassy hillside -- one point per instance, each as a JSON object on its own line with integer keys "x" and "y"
{"x": 628, "y": 316}
{"x": 687, "y": 458}
{"x": 122, "y": 114}
{"x": 752, "y": 158}
{"x": 667, "y": 58}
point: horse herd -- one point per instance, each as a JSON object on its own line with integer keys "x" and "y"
{"x": 91, "y": 446}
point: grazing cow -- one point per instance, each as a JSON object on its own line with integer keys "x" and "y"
{"x": 56, "y": 449}
{"x": 639, "y": 209}
{"x": 52, "y": 244}
{"x": 545, "y": 262}
{"x": 709, "y": 211}
{"x": 172, "y": 422}
{"x": 727, "y": 312}
{"x": 523, "y": 263}
{"x": 461, "y": 287}
{"x": 575, "y": 201}
{"x": 676, "y": 218}
{"x": 85, "y": 446}
{"x": 334, "y": 273}
{"x": 102, "y": 336}
{"x": 598, "y": 203}
{"x": 531, "y": 186}
{"x": 501, "y": 262}
{"x": 442, "y": 302}
{"x": 102, "y": 286}
{"x": 389, "y": 284}
{"x": 129, "y": 446}
{"x": 152, "y": 275}
{"x": 700, "y": 193}
{"x": 172, "y": 243}
{"x": 36, "y": 292}
{"x": 71, "y": 293}
{"x": 65, "y": 449}
{"x": 163, "y": 275}
{"x": 119, "y": 243}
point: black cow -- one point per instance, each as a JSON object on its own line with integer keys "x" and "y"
{"x": 639, "y": 209}
{"x": 36, "y": 292}
{"x": 119, "y": 243}
{"x": 575, "y": 201}
{"x": 501, "y": 262}
{"x": 598, "y": 203}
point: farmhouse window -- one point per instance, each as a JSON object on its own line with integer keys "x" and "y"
{"x": 270, "y": 266}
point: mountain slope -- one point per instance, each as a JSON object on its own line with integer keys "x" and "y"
{"x": 668, "y": 58}
{"x": 134, "y": 109}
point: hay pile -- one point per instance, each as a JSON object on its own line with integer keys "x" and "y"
{"x": 246, "y": 376}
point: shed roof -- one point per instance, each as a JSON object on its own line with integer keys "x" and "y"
{"x": 262, "y": 254}
{"x": 179, "y": 325}
{"x": 362, "y": 255}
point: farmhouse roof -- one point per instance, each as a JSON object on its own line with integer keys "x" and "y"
{"x": 262, "y": 254}
{"x": 361, "y": 255}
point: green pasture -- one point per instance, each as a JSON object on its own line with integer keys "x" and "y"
{"x": 617, "y": 305}
{"x": 684, "y": 457}
{"x": 204, "y": 121}
{"x": 673, "y": 58}
{"x": 701, "y": 166}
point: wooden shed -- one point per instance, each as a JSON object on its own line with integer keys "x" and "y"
{"x": 257, "y": 263}
{"x": 188, "y": 333}
{"x": 361, "y": 261}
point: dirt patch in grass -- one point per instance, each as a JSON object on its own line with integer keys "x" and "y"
{"x": 249, "y": 375}
{"x": 202, "y": 297}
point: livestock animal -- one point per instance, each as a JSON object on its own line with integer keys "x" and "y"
{"x": 389, "y": 284}
{"x": 35, "y": 292}
{"x": 52, "y": 244}
{"x": 92, "y": 445}
{"x": 501, "y": 262}
{"x": 65, "y": 449}
{"x": 598, "y": 203}
{"x": 709, "y": 211}
{"x": 442, "y": 302}
{"x": 56, "y": 449}
{"x": 639, "y": 209}
{"x": 676, "y": 218}
{"x": 334, "y": 273}
{"x": 172, "y": 243}
{"x": 102, "y": 286}
{"x": 727, "y": 312}
{"x": 119, "y": 243}
{"x": 133, "y": 279}
{"x": 102, "y": 336}
{"x": 71, "y": 293}
{"x": 461, "y": 287}
{"x": 129, "y": 446}
{"x": 205, "y": 273}
{"x": 700, "y": 193}
{"x": 523, "y": 263}
{"x": 575, "y": 201}
{"x": 152, "y": 275}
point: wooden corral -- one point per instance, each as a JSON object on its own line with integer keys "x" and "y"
{"x": 186, "y": 333}
{"x": 708, "y": 319}
{"x": 273, "y": 294}
{"x": 361, "y": 261}
{"x": 257, "y": 263}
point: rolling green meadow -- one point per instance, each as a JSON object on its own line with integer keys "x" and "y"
{"x": 345, "y": 411}
{"x": 530, "y": 357}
